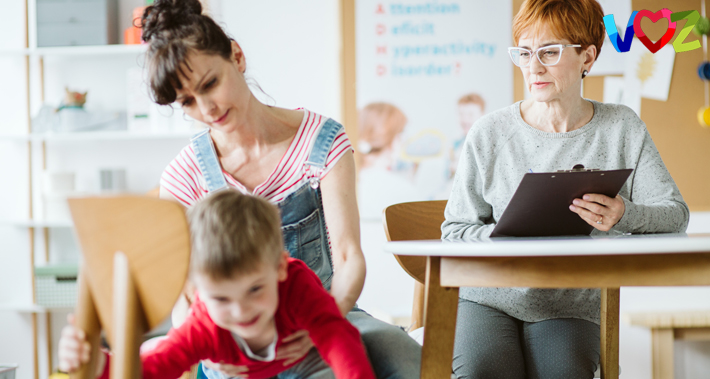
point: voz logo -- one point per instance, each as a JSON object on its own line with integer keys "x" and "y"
{"x": 634, "y": 27}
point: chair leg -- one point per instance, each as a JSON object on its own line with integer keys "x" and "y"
{"x": 440, "y": 307}
{"x": 128, "y": 322}
{"x": 662, "y": 353}
{"x": 418, "y": 306}
{"x": 610, "y": 333}
{"x": 87, "y": 319}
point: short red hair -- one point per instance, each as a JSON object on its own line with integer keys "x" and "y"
{"x": 579, "y": 21}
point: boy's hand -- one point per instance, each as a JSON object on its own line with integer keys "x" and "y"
{"x": 230, "y": 371}
{"x": 74, "y": 350}
{"x": 294, "y": 347}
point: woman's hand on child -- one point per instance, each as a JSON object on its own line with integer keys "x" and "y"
{"x": 230, "y": 371}
{"x": 294, "y": 347}
{"x": 74, "y": 350}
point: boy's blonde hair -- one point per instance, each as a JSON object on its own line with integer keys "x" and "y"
{"x": 473, "y": 98}
{"x": 233, "y": 234}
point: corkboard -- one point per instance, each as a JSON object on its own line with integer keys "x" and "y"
{"x": 682, "y": 143}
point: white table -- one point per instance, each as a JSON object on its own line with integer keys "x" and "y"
{"x": 577, "y": 262}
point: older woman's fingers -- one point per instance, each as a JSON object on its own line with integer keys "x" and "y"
{"x": 590, "y": 206}
{"x": 598, "y": 198}
{"x": 594, "y": 219}
{"x": 586, "y": 215}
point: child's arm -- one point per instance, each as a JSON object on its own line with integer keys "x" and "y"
{"x": 173, "y": 356}
{"x": 337, "y": 341}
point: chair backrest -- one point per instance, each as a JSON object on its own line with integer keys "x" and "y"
{"x": 154, "y": 236}
{"x": 419, "y": 220}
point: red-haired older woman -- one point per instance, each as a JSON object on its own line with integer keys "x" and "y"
{"x": 549, "y": 333}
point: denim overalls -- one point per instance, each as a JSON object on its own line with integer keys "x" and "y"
{"x": 302, "y": 218}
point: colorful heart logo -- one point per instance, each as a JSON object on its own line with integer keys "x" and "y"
{"x": 654, "y": 17}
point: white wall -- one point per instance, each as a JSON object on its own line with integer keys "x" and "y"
{"x": 292, "y": 50}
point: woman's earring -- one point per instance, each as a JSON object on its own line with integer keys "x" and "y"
{"x": 584, "y": 73}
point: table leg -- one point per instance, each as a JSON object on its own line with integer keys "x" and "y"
{"x": 609, "y": 333}
{"x": 440, "y": 307}
{"x": 662, "y": 353}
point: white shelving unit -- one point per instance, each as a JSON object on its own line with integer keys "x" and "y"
{"x": 54, "y": 150}
{"x": 118, "y": 135}
{"x": 33, "y": 223}
{"x": 77, "y": 50}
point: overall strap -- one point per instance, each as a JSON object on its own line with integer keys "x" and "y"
{"x": 317, "y": 157}
{"x": 207, "y": 160}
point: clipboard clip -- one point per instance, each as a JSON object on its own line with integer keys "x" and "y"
{"x": 579, "y": 168}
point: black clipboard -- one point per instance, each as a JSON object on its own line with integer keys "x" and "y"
{"x": 540, "y": 205}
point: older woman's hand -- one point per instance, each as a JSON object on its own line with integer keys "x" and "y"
{"x": 599, "y": 211}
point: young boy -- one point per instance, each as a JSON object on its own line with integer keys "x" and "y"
{"x": 250, "y": 295}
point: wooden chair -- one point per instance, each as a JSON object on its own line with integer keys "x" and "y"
{"x": 135, "y": 252}
{"x": 414, "y": 221}
{"x": 667, "y": 327}
{"x": 422, "y": 220}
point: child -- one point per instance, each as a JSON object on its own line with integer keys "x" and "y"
{"x": 250, "y": 295}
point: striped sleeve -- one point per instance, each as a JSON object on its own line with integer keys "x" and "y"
{"x": 182, "y": 178}
{"x": 341, "y": 145}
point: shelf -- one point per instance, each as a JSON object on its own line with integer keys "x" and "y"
{"x": 27, "y": 223}
{"x": 101, "y": 50}
{"x": 30, "y": 308}
{"x": 111, "y": 135}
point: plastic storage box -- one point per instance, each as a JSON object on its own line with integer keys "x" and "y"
{"x": 56, "y": 286}
{"x": 7, "y": 371}
{"x": 77, "y": 22}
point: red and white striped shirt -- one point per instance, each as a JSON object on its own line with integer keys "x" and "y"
{"x": 183, "y": 178}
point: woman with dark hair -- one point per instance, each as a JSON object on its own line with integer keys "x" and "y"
{"x": 299, "y": 160}
{"x": 551, "y": 333}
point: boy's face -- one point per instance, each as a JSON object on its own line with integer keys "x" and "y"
{"x": 468, "y": 114}
{"x": 245, "y": 304}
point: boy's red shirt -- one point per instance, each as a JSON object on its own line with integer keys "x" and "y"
{"x": 303, "y": 304}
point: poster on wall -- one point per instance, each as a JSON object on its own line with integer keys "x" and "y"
{"x": 426, "y": 71}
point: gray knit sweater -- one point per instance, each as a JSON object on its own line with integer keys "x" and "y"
{"x": 500, "y": 148}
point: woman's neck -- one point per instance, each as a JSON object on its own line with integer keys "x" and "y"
{"x": 261, "y": 126}
{"x": 559, "y": 116}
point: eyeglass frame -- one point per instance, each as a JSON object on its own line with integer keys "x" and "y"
{"x": 562, "y": 49}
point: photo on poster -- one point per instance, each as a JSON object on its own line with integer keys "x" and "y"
{"x": 426, "y": 71}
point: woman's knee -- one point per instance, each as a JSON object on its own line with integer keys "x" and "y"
{"x": 487, "y": 343}
{"x": 562, "y": 348}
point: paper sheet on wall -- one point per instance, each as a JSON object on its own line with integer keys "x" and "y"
{"x": 610, "y": 61}
{"x": 426, "y": 71}
{"x": 617, "y": 91}
{"x": 650, "y": 73}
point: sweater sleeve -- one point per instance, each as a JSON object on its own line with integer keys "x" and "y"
{"x": 183, "y": 347}
{"x": 656, "y": 205}
{"x": 467, "y": 213}
{"x": 337, "y": 341}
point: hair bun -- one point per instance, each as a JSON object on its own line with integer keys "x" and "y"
{"x": 168, "y": 15}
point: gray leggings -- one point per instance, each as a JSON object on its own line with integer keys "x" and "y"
{"x": 490, "y": 344}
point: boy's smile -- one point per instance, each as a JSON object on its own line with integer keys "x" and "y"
{"x": 246, "y": 303}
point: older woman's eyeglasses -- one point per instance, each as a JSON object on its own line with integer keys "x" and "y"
{"x": 547, "y": 55}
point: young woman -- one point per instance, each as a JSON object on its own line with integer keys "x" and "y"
{"x": 297, "y": 159}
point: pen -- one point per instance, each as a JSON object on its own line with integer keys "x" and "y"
{"x": 530, "y": 170}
